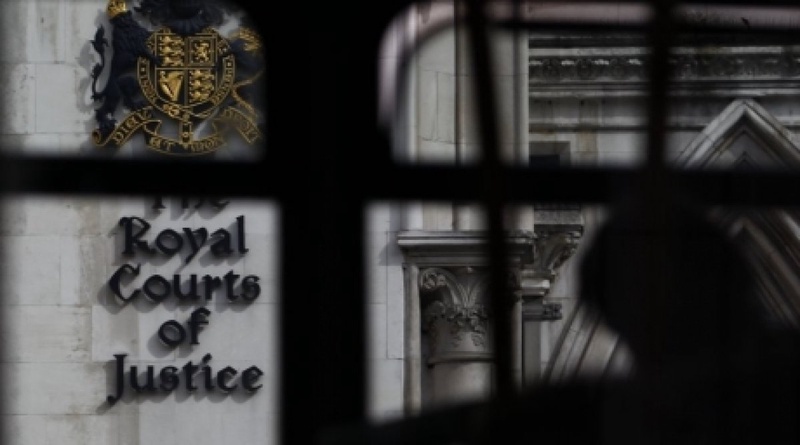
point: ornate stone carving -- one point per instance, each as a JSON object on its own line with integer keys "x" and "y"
{"x": 558, "y": 232}
{"x": 541, "y": 311}
{"x": 556, "y": 69}
{"x": 456, "y": 308}
{"x": 685, "y": 67}
{"x": 552, "y": 248}
{"x": 559, "y": 229}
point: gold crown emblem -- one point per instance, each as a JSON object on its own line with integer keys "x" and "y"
{"x": 115, "y": 8}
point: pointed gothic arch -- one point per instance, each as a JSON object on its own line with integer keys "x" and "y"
{"x": 743, "y": 132}
{"x": 743, "y": 135}
{"x": 746, "y": 135}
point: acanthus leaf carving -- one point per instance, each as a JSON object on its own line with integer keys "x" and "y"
{"x": 457, "y": 301}
{"x": 552, "y": 249}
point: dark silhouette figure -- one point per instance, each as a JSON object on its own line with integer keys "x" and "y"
{"x": 709, "y": 368}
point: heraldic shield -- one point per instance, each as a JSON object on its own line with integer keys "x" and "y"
{"x": 175, "y": 80}
{"x": 187, "y": 86}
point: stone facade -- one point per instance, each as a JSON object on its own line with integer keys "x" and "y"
{"x": 729, "y": 107}
{"x": 64, "y": 326}
{"x": 431, "y": 332}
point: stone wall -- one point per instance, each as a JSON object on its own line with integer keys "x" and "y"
{"x": 63, "y": 323}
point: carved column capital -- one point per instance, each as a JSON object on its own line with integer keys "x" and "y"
{"x": 455, "y": 315}
{"x": 558, "y": 232}
{"x": 453, "y": 286}
{"x": 551, "y": 249}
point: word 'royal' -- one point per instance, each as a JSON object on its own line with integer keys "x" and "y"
{"x": 169, "y": 241}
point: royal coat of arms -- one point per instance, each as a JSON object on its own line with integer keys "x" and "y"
{"x": 187, "y": 88}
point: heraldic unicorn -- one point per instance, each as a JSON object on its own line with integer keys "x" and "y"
{"x": 183, "y": 73}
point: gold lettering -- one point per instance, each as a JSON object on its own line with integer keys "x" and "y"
{"x": 155, "y": 142}
{"x": 248, "y": 131}
{"x": 128, "y": 126}
{"x": 118, "y": 137}
{"x": 131, "y": 123}
{"x": 147, "y": 88}
{"x": 208, "y": 144}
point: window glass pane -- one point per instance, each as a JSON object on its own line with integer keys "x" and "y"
{"x": 123, "y": 79}
{"x": 430, "y": 337}
{"x": 768, "y": 238}
{"x": 581, "y": 89}
{"x": 732, "y": 93}
{"x": 429, "y": 318}
{"x": 429, "y": 100}
{"x": 588, "y": 92}
{"x": 139, "y": 320}
{"x": 386, "y": 312}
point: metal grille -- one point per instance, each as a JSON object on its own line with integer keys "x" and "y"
{"x": 321, "y": 76}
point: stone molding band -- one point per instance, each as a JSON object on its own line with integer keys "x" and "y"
{"x": 698, "y": 66}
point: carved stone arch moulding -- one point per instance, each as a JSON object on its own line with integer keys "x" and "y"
{"x": 747, "y": 135}
{"x": 770, "y": 142}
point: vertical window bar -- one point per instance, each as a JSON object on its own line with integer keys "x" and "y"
{"x": 494, "y": 191}
{"x": 657, "y": 195}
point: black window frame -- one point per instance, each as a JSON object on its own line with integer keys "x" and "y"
{"x": 327, "y": 160}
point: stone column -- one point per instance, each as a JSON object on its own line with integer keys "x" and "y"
{"x": 413, "y": 352}
{"x": 447, "y": 288}
{"x": 456, "y": 323}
